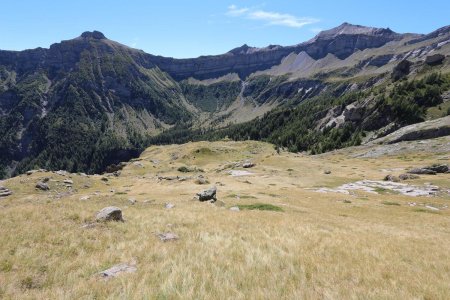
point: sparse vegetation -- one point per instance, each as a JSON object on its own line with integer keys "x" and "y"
{"x": 260, "y": 206}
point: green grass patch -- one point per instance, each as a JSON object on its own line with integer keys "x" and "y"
{"x": 260, "y": 206}
{"x": 390, "y": 203}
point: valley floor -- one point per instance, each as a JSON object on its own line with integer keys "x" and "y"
{"x": 325, "y": 242}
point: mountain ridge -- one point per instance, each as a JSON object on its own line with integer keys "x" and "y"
{"x": 88, "y": 102}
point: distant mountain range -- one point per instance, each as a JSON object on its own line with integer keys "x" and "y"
{"x": 89, "y": 102}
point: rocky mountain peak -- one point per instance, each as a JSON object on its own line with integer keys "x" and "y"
{"x": 96, "y": 35}
{"x": 244, "y": 49}
{"x": 350, "y": 29}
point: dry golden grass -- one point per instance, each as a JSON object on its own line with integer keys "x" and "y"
{"x": 319, "y": 246}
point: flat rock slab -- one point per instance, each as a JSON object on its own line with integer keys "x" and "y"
{"x": 117, "y": 270}
{"x": 238, "y": 173}
{"x": 167, "y": 237}
{"x": 371, "y": 186}
{"x": 234, "y": 208}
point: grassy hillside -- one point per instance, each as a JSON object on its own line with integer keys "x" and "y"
{"x": 287, "y": 241}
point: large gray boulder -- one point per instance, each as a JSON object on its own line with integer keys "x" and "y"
{"x": 209, "y": 194}
{"x": 110, "y": 213}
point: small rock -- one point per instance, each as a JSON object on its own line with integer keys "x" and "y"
{"x": 46, "y": 179}
{"x": 248, "y": 165}
{"x": 4, "y": 192}
{"x": 83, "y": 198}
{"x": 110, "y": 213}
{"x": 68, "y": 181}
{"x": 407, "y": 176}
{"x": 62, "y": 173}
{"x": 391, "y": 178}
{"x": 168, "y": 236}
{"x": 116, "y": 173}
{"x": 209, "y": 194}
{"x": 105, "y": 179}
{"x": 132, "y": 201}
{"x": 117, "y": 270}
{"x": 201, "y": 180}
{"x": 327, "y": 172}
{"x": 234, "y": 208}
{"x": 169, "y": 205}
{"x": 42, "y": 186}
{"x": 30, "y": 172}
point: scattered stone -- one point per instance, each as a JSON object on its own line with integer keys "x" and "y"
{"x": 201, "y": 180}
{"x": 30, "y": 172}
{"x": 83, "y": 198}
{"x": 42, "y": 186}
{"x": 132, "y": 201}
{"x": 118, "y": 270}
{"x": 391, "y": 178}
{"x": 169, "y": 205}
{"x": 46, "y": 179}
{"x": 327, "y": 172}
{"x": 408, "y": 176}
{"x": 347, "y": 201}
{"x": 68, "y": 181}
{"x": 110, "y": 213}
{"x": 423, "y": 171}
{"x": 169, "y": 178}
{"x": 4, "y": 192}
{"x": 62, "y": 173}
{"x": 209, "y": 194}
{"x": 167, "y": 237}
{"x": 234, "y": 208}
{"x": 116, "y": 173}
{"x": 182, "y": 178}
{"x": 105, "y": 179}
{"x": 247, "y": 165}
{"x": 138, "y": 164}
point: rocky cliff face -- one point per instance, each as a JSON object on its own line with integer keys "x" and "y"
{"x": 341, "y": 41}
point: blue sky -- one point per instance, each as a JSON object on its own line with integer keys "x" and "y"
{"x": 192, "y": 28}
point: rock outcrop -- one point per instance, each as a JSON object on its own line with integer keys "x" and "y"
{"x": 420, "y": 131}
